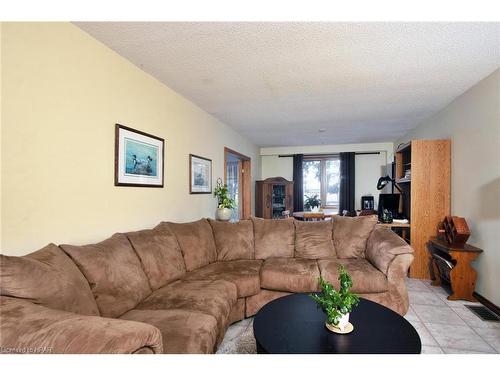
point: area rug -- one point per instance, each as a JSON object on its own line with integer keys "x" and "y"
{"x": 240, "y": 340}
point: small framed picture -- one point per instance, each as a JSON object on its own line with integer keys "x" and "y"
{"x": 200, "y": 175}
{"x": 139, "y": 158}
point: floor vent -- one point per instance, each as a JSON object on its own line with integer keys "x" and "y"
{"x": 483, "y": 313}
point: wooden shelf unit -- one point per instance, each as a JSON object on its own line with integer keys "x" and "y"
{"x": 426, "y": 196}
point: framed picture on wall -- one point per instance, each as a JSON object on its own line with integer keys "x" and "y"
{"x": 200, "y": 175}
{"x": 139, "y": 158}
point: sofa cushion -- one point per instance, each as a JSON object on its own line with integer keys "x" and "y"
{"x": 160, "y": 255}
{"x": 350, "y": 235}
{"x": 114, "y": 273}
{"x": 49, "y": 278}
{"x": 254, "y": 303}
{"x": 215, "y": 298}
{"x": 313, "y": 239}
{"x": 290, "y": 275}
{"x": 245, "y": 274}
{"x": 233, "y": 240}
{"x": 273, "y": 238}
{"x": 197, "y": 242}
{"x": 183, "y": 331}
{"x": 365, "y": 277}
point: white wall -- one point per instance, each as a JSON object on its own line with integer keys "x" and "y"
{"x": 62, "y": 93}
{"x": 369, "y": 168}
{"x": 472, "y": 122}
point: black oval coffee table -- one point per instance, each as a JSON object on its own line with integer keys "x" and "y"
{"x": 293, "y": 324}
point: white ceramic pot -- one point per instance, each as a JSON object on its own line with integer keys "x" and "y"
{"x": 315, "y": 209}
{"x": 343, "y": 322}
{"x": 342, "y": 327}
{"x": 223, "y": 214}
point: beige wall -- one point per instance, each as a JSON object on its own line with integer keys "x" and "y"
{"x": 63, "y": 92}
{"x": 368, "y": 167}
{"x": 472, "y": 122}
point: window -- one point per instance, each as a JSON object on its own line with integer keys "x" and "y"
{"x": 322, "y": 177}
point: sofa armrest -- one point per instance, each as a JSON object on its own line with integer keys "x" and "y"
{"x": 29, "y": 328}
{"x": 383, "y": 246}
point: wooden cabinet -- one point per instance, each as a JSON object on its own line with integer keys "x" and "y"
{"x": 272, "y": 197}
{"x": 426, "y": 194}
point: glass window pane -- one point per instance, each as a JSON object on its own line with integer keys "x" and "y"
{"x": 279, "y": 204}
{"x": 311, "y": 170}
{"x": 332, "y": 182}
{"x": 232, "y": 187}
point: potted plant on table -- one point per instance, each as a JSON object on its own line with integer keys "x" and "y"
{"x": 225, "y": 204}
{"x": 337, "y": 304}
{"x": 312, "y": 203}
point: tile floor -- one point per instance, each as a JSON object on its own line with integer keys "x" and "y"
{"x": 445, "y": 327}
{"x": 448, "y": 326}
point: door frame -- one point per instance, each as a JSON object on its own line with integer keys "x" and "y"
{"x": 245, "y": 178}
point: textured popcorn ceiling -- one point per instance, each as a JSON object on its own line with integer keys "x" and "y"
{"x": 279, "y": 83}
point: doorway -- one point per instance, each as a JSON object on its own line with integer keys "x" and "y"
{"x": 238, "y": 177}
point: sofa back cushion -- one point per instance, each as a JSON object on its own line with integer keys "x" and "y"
{"x": 160, "y": 255}
{"x": 196, "y": 241}
{"x": 114, "y": 273}
{"x": 350, "y": 235}
{"x": 313, "y": 239}
{"x": 273, "y": 238}
{"x": 49, "y": 278}
{"x": 233, "y": 241}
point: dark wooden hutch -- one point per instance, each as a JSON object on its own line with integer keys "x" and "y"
{"x": 272, "y": 197}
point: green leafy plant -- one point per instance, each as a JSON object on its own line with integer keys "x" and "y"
{"x": 312, "y": 201}
{"x": 336, "y": 303}
{"x": 223, "y": 199}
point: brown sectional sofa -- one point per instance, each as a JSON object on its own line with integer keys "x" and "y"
{"x": 176, "y": 288}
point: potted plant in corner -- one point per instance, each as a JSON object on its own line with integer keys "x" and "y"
{"x": 337, "y": 304}
{"x": 225, "y": 204}
{"x": 312, "y": 203}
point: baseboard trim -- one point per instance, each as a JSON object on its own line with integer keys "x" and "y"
{"x": 486, "y": 302}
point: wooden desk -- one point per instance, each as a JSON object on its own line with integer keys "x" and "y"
{"x": 404, "y": 228}
{"x": 462, "y": 275}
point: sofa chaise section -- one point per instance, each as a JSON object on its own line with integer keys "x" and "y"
{"x": 29, "y": 328}
{"x": 182, "y": 331}
{"x": 215, "y": 298}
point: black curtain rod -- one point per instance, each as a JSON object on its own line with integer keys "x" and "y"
{"x": 322, "y": 155}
